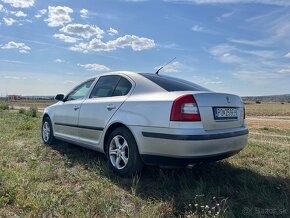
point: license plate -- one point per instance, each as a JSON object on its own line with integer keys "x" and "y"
{"x": 225, "y": 113}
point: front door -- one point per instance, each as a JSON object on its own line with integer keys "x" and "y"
{"x": 66, "y": 113}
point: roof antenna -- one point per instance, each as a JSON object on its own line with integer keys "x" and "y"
{"x": 164, "y": 65}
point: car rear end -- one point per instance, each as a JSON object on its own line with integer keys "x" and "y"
{"x": 201, "y": 125}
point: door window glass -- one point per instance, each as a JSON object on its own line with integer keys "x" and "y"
{"x": 105, "y": 86}
{"x": 80, "y": 91}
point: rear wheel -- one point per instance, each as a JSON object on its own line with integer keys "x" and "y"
{"x": 47, "y": 132}
{"x": 122, "y": 152}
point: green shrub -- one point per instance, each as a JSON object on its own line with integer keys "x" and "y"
{"x": 22, "y": 111}
{"x": 32, "y": 112}
{"x": 4, "y": 106}
{"x": 27, "y": 125}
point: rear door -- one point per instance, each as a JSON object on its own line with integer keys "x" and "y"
{"x": 66, "y": 113}
{"x": 106, "y": 97}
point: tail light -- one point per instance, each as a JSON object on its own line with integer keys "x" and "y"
{"x": 244, "y": 112}
{"x": 185, "y": 108}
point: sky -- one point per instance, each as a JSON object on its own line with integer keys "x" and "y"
{"x": 234, "y": 46}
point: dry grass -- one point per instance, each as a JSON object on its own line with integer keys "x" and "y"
{"x": 69, "y": 181}
{"x": 267, "y": 109}
{"x": 280, "y": 125}
{"x": 29, "y": 103}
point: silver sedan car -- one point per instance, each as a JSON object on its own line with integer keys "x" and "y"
{"x": 137, "y": 119}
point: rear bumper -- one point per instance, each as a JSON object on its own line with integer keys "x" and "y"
{"x": 168, "y": 146}
{"x": 184, "y": 161}
{"x": 196, "y": 137}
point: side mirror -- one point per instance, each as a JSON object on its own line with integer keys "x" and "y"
{"x": 59, "y": 97}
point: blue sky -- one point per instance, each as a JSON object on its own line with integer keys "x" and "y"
{"x": 236, "y": 46}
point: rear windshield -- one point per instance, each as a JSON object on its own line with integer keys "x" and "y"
{"x": 171, "y": 84}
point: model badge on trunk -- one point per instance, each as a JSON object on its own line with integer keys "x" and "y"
{"x": 228, "y": 99}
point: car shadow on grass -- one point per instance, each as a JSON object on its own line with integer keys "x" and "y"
{"x": 214, "y": 187}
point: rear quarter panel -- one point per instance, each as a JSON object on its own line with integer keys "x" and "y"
{"x": 146, "y": 110}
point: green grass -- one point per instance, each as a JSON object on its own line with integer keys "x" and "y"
{"x": 69, "y": 181}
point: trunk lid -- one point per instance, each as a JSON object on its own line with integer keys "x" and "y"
{"x": 220, "y": 110}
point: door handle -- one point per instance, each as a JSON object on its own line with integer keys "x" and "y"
{"x": 110, "y": 107}
{"x": 76, "y": 108}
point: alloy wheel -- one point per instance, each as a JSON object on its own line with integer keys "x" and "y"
{"x": 46, "y": 131}
{"x": 119, "y": 152}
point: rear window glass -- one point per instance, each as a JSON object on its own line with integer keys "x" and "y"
{"x": 171, "y": 84}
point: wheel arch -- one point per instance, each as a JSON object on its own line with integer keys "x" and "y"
{"x": 45, "y": 115}
{"x": 111, "y": 128}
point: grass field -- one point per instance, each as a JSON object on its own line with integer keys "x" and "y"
{"x": 41, "y": 104}
{"x": 267, "y": 109}
{"x": 69, "y": 181}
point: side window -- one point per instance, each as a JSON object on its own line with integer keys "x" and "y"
{"x": 123, "y": 87}
{"x": 80, "y": 91}
{"x": 105, "y": 86}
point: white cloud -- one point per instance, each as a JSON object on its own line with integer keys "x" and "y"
{"x": 174, "y": 67}
{"x": 104, "y": 15}
{"x": 197, "y": 28}
{"x": 40, "y": 13}
{"x": 286, "y": 70}
{"x": 257, "y": 43}
{"x": 14, "y": 77}
{"x": 213, "y": 82}
{"x": 224, "y": 53}
{"x": 287, "y": 55}
{"x": 84, "y": 13}
{"x": 23, "y": 51}
{"x": 20, "y": 3}
{"x": 19, "y": 13}
{"x": 135, "y": 42}
{"x": 69, "y": 82}
{"x": 83, "y": 30}
{"x": 59, "y": 60}
{"x": 66, "y": 38}
{"x": 256, "y": 77}
{"x": 112, "y": 31}
{"x": 3, "y": 9}
{"x": 230, "y": 54}
{"x": 22, "y": 48}
{"x": 58, "y": 16}
{"x": 95, "y": 67}
{"x": 224, "y": 16}
{"x": 9, "y": 21}
{"x": 13, "y": 61}
{"x": 267, "y": 2}
{"x": 257, "y": 67}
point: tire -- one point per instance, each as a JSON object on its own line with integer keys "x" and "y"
{"x": 47, "y": 132}
{"x": 122, "y": 153}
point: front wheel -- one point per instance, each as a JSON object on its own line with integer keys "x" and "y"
{"x": 47, "y": 132}
{"x": 122, "y": 152}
